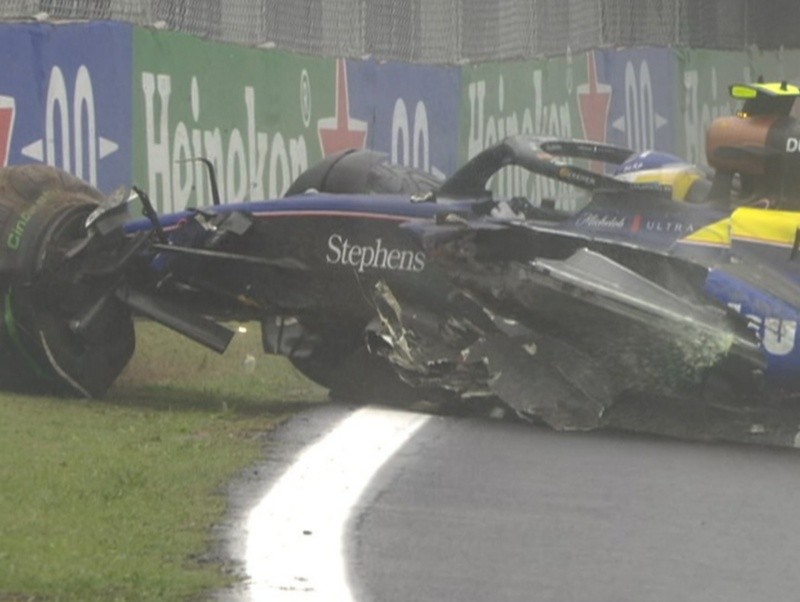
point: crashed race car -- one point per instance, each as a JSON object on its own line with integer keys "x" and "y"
{"x": 669, "y": 283}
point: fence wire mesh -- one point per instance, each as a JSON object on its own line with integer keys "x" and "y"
{"x": 447, "y": 31}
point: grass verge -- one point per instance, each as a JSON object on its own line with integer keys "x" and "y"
{"x": 114, "y": 499}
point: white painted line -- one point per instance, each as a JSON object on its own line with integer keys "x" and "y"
{"x": 295, "y": 534}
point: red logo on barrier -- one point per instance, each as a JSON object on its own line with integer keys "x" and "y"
{"x": 341, "y": 131}
{"x": 7, "y": 113}
{"x": 594, "y": 100}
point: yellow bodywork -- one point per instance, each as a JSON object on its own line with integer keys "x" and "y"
{"x": 748, "y": 91}
{"x": 750, "y": 224}
{"x": 765, "y": 226}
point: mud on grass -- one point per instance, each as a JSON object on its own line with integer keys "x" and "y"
{"x": 115, "y": 499}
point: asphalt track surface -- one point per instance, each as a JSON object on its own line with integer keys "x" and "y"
{"x": 472, "y": 509}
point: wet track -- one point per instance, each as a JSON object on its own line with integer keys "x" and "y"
{"x": 478, "y": 509}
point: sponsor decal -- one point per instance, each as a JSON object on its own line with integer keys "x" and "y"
{"x": 597, "y": 221}
{"x": 777, "y": 335}
{"x": 15, "y": 236}
{"x": 373, "y": 256}
{"x": 570, "y": 175}
{"x": 668, "y": 226}
{"x": 630, "y": 166}
{"x": 637, "y": 224}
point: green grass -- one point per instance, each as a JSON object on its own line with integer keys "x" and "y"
{"x": 114, "y": 499}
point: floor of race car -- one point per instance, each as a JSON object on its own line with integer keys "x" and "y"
{"x": 776, "y": 426}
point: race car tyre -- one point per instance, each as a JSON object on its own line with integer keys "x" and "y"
{"x": 335, "y": 357}
{"x": 356, "y": 376}
{"x": 61, "y": 333}
{"x": 348, "y": 370}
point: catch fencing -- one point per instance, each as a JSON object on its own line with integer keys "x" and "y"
{"x": 446, "y": 31}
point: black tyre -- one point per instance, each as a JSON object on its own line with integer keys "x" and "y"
{"x": 46, "y": 344}
{"x": 340, "y": 360}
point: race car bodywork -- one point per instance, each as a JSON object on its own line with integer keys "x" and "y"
{"x": 379, "y": 280}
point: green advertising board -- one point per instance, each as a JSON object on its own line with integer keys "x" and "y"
{"x": 251, "y": 112}
{"x": 257, "y": 114}
{"x": 531, "y": 97}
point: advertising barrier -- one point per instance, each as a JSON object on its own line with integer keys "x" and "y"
{"x": 410, "y": 111}
{"x": 263, "y": 117}
{"x": 531, "y": 97}
{"x": 115, "y": 104}
{"x": 642, "y": 82}
{"x": 65, "y": 99}
{"x": 251, "y": 113}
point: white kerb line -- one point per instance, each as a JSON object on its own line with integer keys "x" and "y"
{"x": 295, "y": 535}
